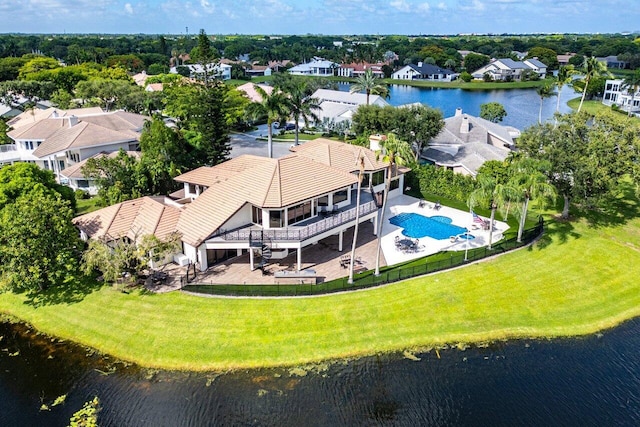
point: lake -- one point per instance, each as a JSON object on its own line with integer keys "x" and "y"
{"x": 590, "y": 381}
{"x": 522, "y": 105}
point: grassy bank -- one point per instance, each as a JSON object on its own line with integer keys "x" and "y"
{"x": 579, "y": 278}
{"x": 595, "y": 106}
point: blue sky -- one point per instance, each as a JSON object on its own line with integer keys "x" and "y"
{"x": 319, "y": 16}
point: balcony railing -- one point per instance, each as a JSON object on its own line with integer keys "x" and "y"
{"x": 301, "y": 233}
{"x": 5, "y": 148}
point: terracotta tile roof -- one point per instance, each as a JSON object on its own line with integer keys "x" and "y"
{"x": 75, "y": 170}
{"x": 260, "y": 181}
{"x": 132, "y": 219}
{"x": 89, "y": 131}
{"x": 339, "y": 154}
{"x": 35, "y": 115}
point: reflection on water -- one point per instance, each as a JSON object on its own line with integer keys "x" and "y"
{"x": 522, "y": 105}
{"x": 587, "y": 381}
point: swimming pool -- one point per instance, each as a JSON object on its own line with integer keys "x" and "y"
{"x": 416, "y": 226}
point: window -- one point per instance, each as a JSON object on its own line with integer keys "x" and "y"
{"x": 256, "y": 215}
{"x": 28, "y": 145}
{"x": 61, "y": 164}
{"x": 83, "y": 183}
{"x": 276, "y": 219}
{"x": 192, "y": 189}
{"x": 46, "y": 164}
{"x": 323, "y": 201}
{"x": 395, "y": 183}
{"x": 339, "y": 196}
{"x": 377, "y": 178}
{"x": 300, "y": 212}
{"x": 365, "y": 180}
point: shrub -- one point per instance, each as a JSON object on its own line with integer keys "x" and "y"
{"x": 442, "y": 182}
{"x": 81, "y": 194}
{"x": 466, "y": 77}
{"x": 487, "y": 77}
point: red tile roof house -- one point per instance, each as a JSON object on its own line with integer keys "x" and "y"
{"x": 266, "y": 207}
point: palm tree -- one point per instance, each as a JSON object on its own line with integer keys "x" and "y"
{"x": 450, "y": 64}
{"x": 543, "y": 92}
{"x": 369, "y": 83}
{"x": 360, "y": 163}
{"x": 489, "y": 191}
{"x": 395, "y": 152}
{"x": 631, "y": 83}
{"x": 532, "y": 185}
{"x": 591, "y": 68}
{"x": 274, "y": 106}
{"x": 301, "y": 104}
{"x": 565, "y": 76}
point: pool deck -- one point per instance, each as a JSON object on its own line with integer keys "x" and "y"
{"x": 428, "y": 245}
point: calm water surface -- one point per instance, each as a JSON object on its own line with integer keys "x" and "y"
{"x": 522, "y": 105}
{"x": 591, "y": 381}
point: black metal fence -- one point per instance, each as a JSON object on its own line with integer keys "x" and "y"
{"x": 429, "y": 264}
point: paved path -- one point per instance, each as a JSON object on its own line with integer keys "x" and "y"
{"x": 246, "y": 143}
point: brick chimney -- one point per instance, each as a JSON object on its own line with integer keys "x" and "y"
{"x": 465, "y": 125}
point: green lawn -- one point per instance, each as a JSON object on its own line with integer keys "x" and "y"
{"x": 593, "y": 107}
{"x": 87, "y": 205}
{"x": 578, "y": 279}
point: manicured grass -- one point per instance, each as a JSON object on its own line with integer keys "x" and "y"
{"x": 84, "y": 206}
{"x": 594, "y": 106}
{"x": 579, "y": 278}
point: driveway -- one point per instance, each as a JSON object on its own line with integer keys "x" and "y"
{"x": 246, "y": 143}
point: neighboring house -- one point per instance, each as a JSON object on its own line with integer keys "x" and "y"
{"x": 251, "y": 92}
{"x": 466, "y": 142}
{"x": 258, "y": 71}
{"x": 338, "y": 105}
{"x": 278, "y": 66}
{"x": 563, "y": 60}
{"x": 212, "y": 70}
{"x": 154, "y": 87}
{"x": 519, "y": 55}
{"x": 358, "y": 69}
{"x": 612, "y": 61}
{"x": 73, "y": 177}
{"x": 317, "y": 67}
{"x": 8, "y": 112}
{"x": 424, "y": 71}
{"x": 141, "y": 78}
{"x": 616, "y": 92}
{"x": 262, "y": 206}
{"x": 506, "y": 69}
{"x": 57, "y": 142}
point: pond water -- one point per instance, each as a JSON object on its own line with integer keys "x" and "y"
{"x": 588, "y": 381}
{"x": 522, "y": 105}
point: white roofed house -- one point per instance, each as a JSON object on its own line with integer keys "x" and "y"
{"x": 506, "y": 69}
{"x": 466, "y": 142}
{"x": 56, "y": 143}
{"x": 338, "y": 106}
{"x": 265, "y": 209}
{"x": 212, "y": 70}
{"x": 616, "y": 92}
{"x": 317, "y": 67}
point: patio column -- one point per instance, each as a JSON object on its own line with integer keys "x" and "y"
{"x": 375, "y": 223}
{"x": 340, "y": 239}
{"x": 299, "y": 258}
{"x": 202, "y": 255}
{"x": 251, "y": 259}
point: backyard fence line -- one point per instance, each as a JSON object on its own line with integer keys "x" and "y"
{"x": 367, "y": 279}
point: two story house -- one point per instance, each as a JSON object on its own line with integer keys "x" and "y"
{"x": 268, "y": 207}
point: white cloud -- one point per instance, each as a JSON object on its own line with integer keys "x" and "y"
{"x": 207, "y": 6}
{"x": 424, "y": 8}
{"x": 128, "y": 8}
{"x": 442, "y": 6}
{"x": 473, "y": 6}
{"x": 401, "y": 5}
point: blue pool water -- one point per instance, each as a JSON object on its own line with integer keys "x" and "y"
{"x": 417, "y": 226}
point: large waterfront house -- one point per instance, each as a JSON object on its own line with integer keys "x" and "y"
{"x": 262, "y": 206}
{"x": 466, "y": 142}
{"x": 617, "y": 93}
{"x": 506, "y": 69}
{"x": 338, "y": 106}
{"x": 317, "y": 67}
{"x": 354, "y": 69}
{"x": 59, "y": 139}
{"x": 424, "y": 71}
